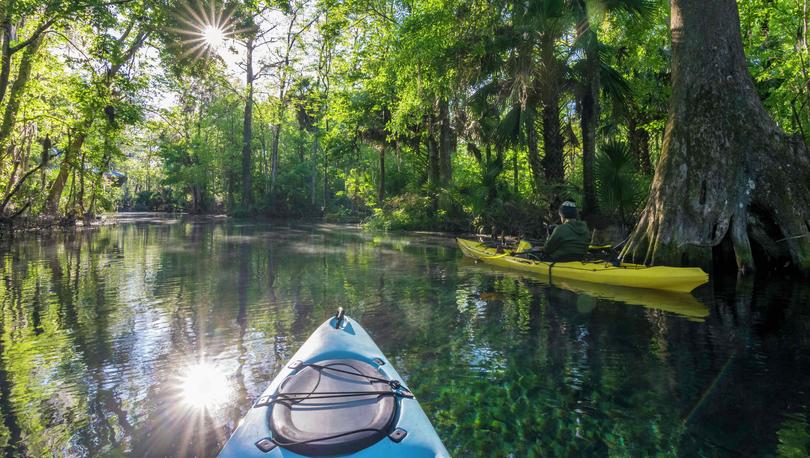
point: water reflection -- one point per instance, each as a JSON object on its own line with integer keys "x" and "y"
{"x": 153, "y": 339}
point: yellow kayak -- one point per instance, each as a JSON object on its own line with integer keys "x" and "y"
{"x": 676, "y": 279}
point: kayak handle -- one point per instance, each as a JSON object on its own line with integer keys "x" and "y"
{"x": 339, "y": 317}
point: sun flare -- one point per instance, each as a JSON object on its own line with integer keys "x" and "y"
{"x": 204, "y": 385}
{"x": 204, "y": 28}
{"x": 214, "y": 36}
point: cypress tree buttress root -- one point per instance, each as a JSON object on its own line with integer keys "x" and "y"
{"x": 727, "y": 171}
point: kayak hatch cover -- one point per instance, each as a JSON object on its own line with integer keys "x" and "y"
{"x": 338, "y": 396}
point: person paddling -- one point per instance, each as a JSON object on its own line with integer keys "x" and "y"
{"x": 569, "y": 241}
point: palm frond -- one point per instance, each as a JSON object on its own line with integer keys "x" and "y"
{"x": 479, "y": 100}
{"x": 508, "y": 130}
{"x": 618, "y": 186}
{"x": 642, "y": 8}
{"x": 613, "y": 84}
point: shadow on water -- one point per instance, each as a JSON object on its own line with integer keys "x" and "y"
{"x": 153, "y": 337}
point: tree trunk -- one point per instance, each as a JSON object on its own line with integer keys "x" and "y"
{"x": 445, "y": 144}
{"x": 550, "y": 99}
{"x": 535, "y": 163}
{"x": 325, "y": 177}
{"x": 14, "y": 185}
{"x": 98, "y": 182}
{"x": 313, "y": 179}
{"x": 639, "y": 145}
{"x": 589, "y": 121}
{"x": 804, "y": 25}
{"x": 274, "y": 158}
{"x": 381, "y": 184}
{"x": 302, "y": 136}
{"x": 529, "y": 107}
{"x": 492, "y": 170}
{"x": 81, "y": 182}
{"x": 7, "y": 30}
{"x": 17, "y": 90}
{"x": 72, "y": 150}
{"x": 727, "y": 171}
{"x": 247, "y": 133}
{"x": 265, "y": 163}
{"x": 434, "y": 175}
{"x": 196, "y": 199}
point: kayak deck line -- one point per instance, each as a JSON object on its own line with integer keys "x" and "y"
{"x": 339, "y": 395}
{"x": 396, "y": 389}
{"x": 675, "y": 279}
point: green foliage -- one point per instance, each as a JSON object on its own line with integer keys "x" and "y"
{"x": 404, "y": 212}
{"x": 359, "y": 189}
{"x": 448, "y": 93}
{"x": 778, "y": 58}
{"x": 411, "y": 211}
{"x": 152, "y": 201}
{"x": 620, "y": 190}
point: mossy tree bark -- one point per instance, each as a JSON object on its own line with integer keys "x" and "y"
{"x": 727, "y": 172}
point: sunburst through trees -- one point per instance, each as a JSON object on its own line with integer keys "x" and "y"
{"x": 205, "y": 27}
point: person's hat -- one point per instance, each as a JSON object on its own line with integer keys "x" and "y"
{"x": 568, "y": 209}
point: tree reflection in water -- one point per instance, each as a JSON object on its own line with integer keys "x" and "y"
{"x": 153, "y": 339}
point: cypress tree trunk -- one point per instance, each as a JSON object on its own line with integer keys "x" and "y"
{"x": 727, "y": 171}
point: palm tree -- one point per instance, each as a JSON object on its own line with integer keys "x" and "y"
{"x": 586, "y": 17}
{"x": 523, "y": 70}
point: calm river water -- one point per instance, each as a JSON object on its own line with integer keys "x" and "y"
{"x": 152, "y": 337}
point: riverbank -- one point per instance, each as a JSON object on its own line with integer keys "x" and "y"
{"x": 9, "y": 228}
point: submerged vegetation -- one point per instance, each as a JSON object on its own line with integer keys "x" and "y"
{"x": 407, "y": 114}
